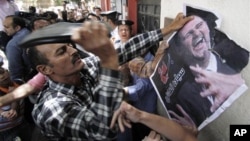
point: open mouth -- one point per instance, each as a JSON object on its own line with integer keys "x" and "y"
{"x": 198, "y": 41}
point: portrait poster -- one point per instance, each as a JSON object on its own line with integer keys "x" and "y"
{"x": 199, "y": 94}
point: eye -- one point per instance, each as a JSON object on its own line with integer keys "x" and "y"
{"x": 199, "y": 25}
{"x": 61, "y": 50}
{"x": 188, "y": 34}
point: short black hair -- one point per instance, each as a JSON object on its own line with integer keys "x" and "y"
{"x": 17, "y": 21}
{"x": 36, "y": 57}
{"x": 33, "y": 20}
{"x": 92, "y": 14}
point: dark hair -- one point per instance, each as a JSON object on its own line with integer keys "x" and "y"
{"x": 33, "y": 20}
{"x": 92, "y": 14}
{"x": 32, "y": 9}
{"x": 209, "y": 17}
{"x": 96, "y": 7}
{"x": 36, "y": 57}
{"x": 17, "y": 21}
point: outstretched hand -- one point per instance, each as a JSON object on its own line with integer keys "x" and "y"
{"x": 219, "y": 85}
{"x": 185, "y": 121}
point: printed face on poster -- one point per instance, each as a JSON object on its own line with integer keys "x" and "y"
{"x": 200, "y": 74}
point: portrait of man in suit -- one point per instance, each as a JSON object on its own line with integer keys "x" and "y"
{"x": 202, "y": 63}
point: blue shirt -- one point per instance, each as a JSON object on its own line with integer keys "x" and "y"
{"x": 142, "y": 93}
{"x": 19, "y": 65}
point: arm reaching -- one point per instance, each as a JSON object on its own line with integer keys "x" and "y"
{"x": 164, "y": 126}
{"x": 219, "y": 85}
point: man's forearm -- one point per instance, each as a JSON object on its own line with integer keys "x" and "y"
{"x": 166, "y": 127}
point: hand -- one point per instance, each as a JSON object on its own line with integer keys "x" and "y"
{"x": 146, "y": 70}
{"x": 124, "y": 114}
{"x": 159, "y": 54}
{"x": 93, "y": 37}
{"x": 179, "y": 21}
{"x": 136, "y": 65}
{"x": 219, "y": 85}
{"x": 153, "y": 136}
{"x": 185, "y": 121}
{"x": 9, "y": 114}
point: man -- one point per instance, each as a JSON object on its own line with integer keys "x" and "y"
{"x": 80, "y": 97}
{"x": 97, "y": 10}
{"x": 124, "y": 31}
{"x": 194, "y": 45}
{"x": 111, "y": 18}
{"x": 38, "y": 22}
{"x": 19, "y": 65}
{"x": 7, "y": 8}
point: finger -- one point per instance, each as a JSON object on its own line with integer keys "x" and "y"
{"x": 215, "y": 105}
{"x": 174, "y": 114}
{"x": 127, "y": 123}
{"x": 198, "y": 70}
{"x": 182, "y": 110}
{"x": 114, "y": 118}
{"x": 202, "y": 80}
{"x": 180, "y": 15}
{"x": 120, "y": 123}
{"x": 157, "y": 137}
{"x": 207, "y": 92}
{"x": 152, "y": 134}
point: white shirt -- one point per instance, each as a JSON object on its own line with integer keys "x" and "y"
{"x": 6, "y": 8}
{"x": 212, "y": 66}
{"x": 114, "y": 35}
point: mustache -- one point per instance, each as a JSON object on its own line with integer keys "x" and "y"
{"x": 76, "y": 56}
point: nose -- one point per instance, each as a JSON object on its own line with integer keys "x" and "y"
{"x": 196, "y": 32}
{"x": 71, "y": 50}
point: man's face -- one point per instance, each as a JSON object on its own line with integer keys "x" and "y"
{"x": 195, "y": 37}
{"x": 8, "y": 27}
{"x": 40, "y": 24}
{"x": 63, "y": 58}
{"x": 124, "y": 32}
{"x": 97, "y": 11}
{"x": 71, "y": 15}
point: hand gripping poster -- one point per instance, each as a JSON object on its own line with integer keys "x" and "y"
{"x": 199, "y": 75}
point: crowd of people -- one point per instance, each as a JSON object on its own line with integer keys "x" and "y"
{"x": 86, "y": 84}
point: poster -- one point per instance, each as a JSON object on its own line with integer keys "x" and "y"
{"x": 199, "y": 76}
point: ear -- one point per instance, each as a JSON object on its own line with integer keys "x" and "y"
{"x": 44, "y": 69}
{"x": 17, "y": 28}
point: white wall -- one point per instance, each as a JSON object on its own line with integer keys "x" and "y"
{"x": 236, "y": 24}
